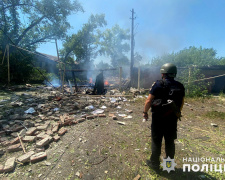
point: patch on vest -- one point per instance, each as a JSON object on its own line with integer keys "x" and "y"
{"x": 152, "y": 86}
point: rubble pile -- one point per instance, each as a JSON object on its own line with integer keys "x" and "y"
{"x": 33, "y": 121}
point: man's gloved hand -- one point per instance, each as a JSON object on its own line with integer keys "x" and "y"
{"x": 145, "y": 115}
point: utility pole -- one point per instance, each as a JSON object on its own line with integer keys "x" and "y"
{"x": 7, "y": 46}
{"x": 132, "y": 47}
{"x": 58, "y": 61}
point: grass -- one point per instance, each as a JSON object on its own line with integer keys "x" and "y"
{"x": 214, "y": 115}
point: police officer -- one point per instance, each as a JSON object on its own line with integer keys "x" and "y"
{"x": 164, "y": 118}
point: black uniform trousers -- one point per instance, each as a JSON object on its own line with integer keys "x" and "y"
{"x": 163, "y": 126}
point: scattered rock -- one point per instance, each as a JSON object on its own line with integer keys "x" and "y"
{"x": 15, "y": 141}
{"x": 48, "y": 163}
{"x": 14, "y": 148}
{"x": 101, "y": 115}
{"x": 38, "y": 157}
{"x": 26, "y": 157}
{"x": 10, "y": 165}
{"x": 31, "y": 131}
{"x": 137, "y": 177}
{"x": 41, "y": 149}
{"x": 121, "y": 123}
{"x": 43, "y": 142}
{"x": 213, "y": 124}
{"x": 55, "y": 128}
{"x": 77, "y": 174}
{"x": 40, "y": 128}
{"x": 90, "y": 117}
{"x": 29, "y": 138}
{"x": 62, "y": 131}
{"x": 42, "y": 135}
{"x": 56, "y": 138}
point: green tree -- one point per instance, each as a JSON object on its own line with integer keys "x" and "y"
{"x": 27, "y": 23}
{"x": 189, "y": 60}
{"x": 113, "y": 43}
{"x": 83, "y": 45}
{"x": 189, "y": 57}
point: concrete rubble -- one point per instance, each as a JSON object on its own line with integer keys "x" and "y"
{"x": 40, "y": 121}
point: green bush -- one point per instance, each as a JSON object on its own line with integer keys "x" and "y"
{"x": 193, "y": 87}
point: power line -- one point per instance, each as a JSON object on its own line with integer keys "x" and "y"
{"x": 207, "y": 78}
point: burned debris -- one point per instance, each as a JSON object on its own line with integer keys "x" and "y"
{"x": 32, "y": 121}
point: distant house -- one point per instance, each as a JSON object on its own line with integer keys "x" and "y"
{"x": 47, "y": 62}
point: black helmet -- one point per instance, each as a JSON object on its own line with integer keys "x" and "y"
{"x": 169, "y": 69}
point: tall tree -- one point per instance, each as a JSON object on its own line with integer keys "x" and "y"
{"x": 192, "y": 57}
{"x": 114, "y": 43}
{"x": 84, "y": 44}
{"x": 189, "y": 57}
{"x": 30, "y": 22}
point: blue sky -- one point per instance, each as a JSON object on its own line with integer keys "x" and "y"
{"x": 162, "y": 26}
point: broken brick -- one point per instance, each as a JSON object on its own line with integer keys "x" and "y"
{"x": 41, "y": 149}
{"x": 101, "y": 115}
{"x": 43, "y": 127}
{"x": 37, "y": 124}
{"x": 81, "y": 120}
{"x": 62, "y": 131}
{"x": 129, "y": 111}
{"x": 31, "y": 131}
{"x": 18, "y": 128}
{"x": 84, "y": 116}
{"x": 56, "y": 138}
{"x": 49, "y": 132}
{"x": 38, "y": 157}
{"x": 121, "y": 123}
{"x": 62, "y": 118}
{"x": 5, "y": 143}
{"x": 43, "y": 142}
{"x": 90, "y": 117}
{"x": 111, "y": 115}
{"x": 36, "y": 133}
{"x": 68, "y": 122}
{"x": 14, "y": 148}
{"x": 26, "y": 157}
{"x": 55, "y": 128}
{"x": 41, "y": 135}
{"x": 10, "y": 165}
{"x": 29, "y": 138}
{"x": 137, "y": 177}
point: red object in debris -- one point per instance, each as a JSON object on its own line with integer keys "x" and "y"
{"x": 106, "y": 83}
{"x": 91, "y": 81}
{"x": 57, "y": 98}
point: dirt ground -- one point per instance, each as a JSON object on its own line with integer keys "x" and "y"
{"x": 101, "y": 148}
